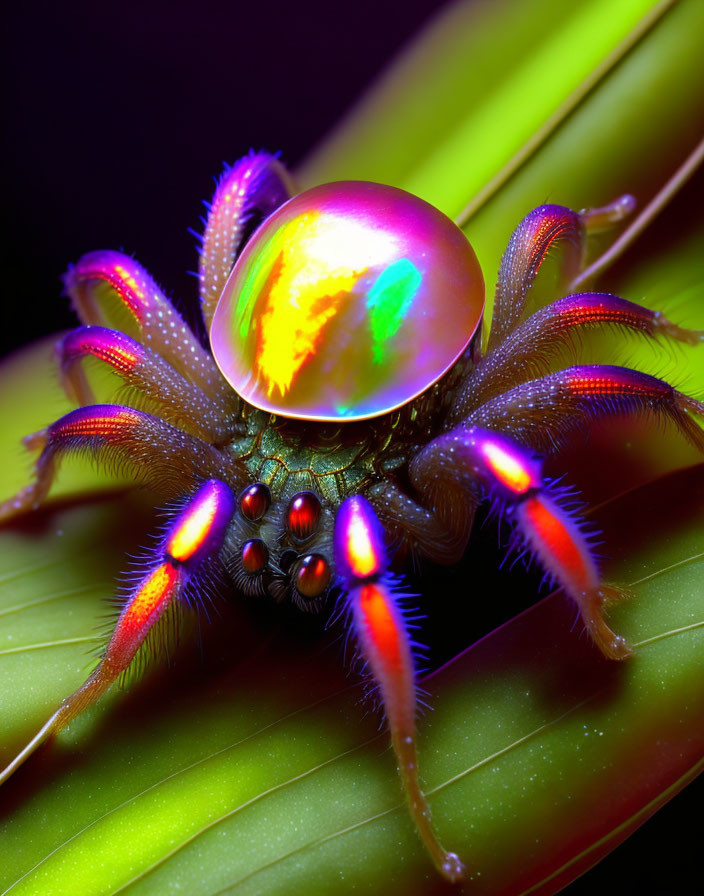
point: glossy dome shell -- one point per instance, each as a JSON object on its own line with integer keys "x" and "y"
{"x": 348, "y": 301}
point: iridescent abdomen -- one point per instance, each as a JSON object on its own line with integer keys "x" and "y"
{"x": 349, "y": 301}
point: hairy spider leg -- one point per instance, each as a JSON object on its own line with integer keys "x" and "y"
{"x": 106, "y": 281}
{"x": 471, "y": 457}
{"x": 526, "y": 352}
{"x": 440, "y": 534}
{"x": 382, "y": 634}
{"x": 257, "y": 182}
{"x": 604, "y": 217}
{"x": 542, "y": 229}
{"x": 195, "y": 536}
{"x": 543, "y": 413}
{"x": 159, "y": 454}
{"x": 181, "y": 402}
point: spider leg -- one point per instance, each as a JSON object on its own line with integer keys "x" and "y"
{"x": 382, "y": 633}
{"x": 103, "y": 283}
{"x": 542, "y": 229}
{"x": 257, "y": 182}
{"x": 542, "y": 413}
{"x": 525, "y": 353}
{"x": 440, "y": 534}
{"x": 181, "y": 402}
{"x": 160, "y": 454}
{"x": 470, "y": 456}
{"x": 194, "y": 537}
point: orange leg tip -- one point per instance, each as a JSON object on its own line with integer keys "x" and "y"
{"x": 613, "y": 594}
{"x": 681, "y": 334}
{"x": 452, "y": 868}
{"x": 26, "y": 499}
{"x": 606, "y": 216}
{"x": 613, "y": 646}
{"x": 35, "y": 441}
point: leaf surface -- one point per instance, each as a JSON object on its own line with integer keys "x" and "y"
{"x": 257, "y": 770}
{"x": 260, "y": 773}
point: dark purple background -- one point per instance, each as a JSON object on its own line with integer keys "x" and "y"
{"x": 118, "y": 117}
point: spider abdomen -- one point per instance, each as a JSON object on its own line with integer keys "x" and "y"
{"x": 327, "y": 312}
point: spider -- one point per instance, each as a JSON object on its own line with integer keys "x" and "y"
{"x": 346, "y": 418}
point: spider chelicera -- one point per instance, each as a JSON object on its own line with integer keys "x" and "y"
{"x": 347, "y": 407}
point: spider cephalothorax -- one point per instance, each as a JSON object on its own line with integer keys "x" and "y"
{"x": 346, "y": 415}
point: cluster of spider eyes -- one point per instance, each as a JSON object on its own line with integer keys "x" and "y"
{"x": 301, "y": 519}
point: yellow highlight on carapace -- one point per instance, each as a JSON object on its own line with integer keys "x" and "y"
{"x": 193, "y": 529}
{"x": 507, "y": 468}
{"x": 319, "y": 260}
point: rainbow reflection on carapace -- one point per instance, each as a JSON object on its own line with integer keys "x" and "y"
{"x": 327, "y": 313}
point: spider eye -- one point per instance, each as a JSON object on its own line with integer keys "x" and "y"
{"x": 255, "y": 501}
{"x": 348, "y": 301}
{"x": 302, "y": 515}
{"x": 255, "y": 555}
{"x": 312, "y": 576}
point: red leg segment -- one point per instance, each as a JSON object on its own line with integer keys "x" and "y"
{"x": 160, "y": 454}
{"x": 183, "y": 403}
{"x": 382, "y": 634}
{"x": 469, "y": 458}
{"x": 101, "y": 283}
{"x": 195, "y": 536}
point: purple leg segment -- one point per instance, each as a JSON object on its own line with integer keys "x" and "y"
{"x": 544, "y": 228}
{"x": 470, "y": 458}
{"x": 106, "y": 282}
{"x": 440, "y": 534}
{"x": 159, "y": 453}
{"x": 258, "y": 182}
{"x": 181, "y": 402}
{"x": 543, "y": 412}
{"x": 527, "y": 351}
{"x": 382, "y": 634}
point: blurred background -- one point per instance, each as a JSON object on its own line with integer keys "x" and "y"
{"x": 119, "y": 116}
{"x": 117, "y": 119}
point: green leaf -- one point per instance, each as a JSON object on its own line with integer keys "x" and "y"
{"x": 491, "y": 84}
{"x": 475, "y": 116}
{"x": 257, "y": 770}
{"x": 263, "y": 775}
{"x": 32, "y": 373}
